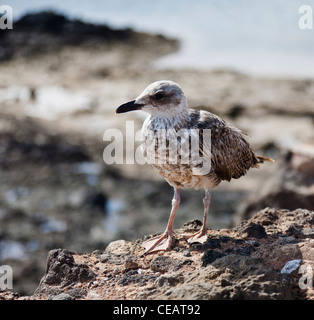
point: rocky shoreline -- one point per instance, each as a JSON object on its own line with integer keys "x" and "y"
{"x": 260, "y": 259}
{"x": 58, "y": 94}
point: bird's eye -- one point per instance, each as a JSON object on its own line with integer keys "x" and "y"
{"x": 158, "y": 95}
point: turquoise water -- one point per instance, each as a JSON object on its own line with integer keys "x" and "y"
{"x": 257, "y": 37}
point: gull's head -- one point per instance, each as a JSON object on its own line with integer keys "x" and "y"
{"x": 161, "y": 98}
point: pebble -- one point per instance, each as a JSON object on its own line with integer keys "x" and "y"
{"x": 187, "y": 253}
{"x": 62, "y": 296}
{"x": 290, "y": 266}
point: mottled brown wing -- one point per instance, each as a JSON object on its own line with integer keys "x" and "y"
{"x": 231, "y": 155}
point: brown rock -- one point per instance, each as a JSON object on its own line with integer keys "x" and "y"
{"x": 245, "y": 264}
{"x": 62, "y": 272}
{"x": 291, "y": 187}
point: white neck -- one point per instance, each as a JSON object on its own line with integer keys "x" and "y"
{"x": 176, "y": 119}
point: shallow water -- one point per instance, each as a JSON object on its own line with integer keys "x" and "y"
{"x": 257, "y": 37}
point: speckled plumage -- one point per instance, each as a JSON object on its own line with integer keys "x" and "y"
{"x": 226, "y": 150}
{"x": 231, "y": 156}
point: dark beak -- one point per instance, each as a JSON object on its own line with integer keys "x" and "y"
{"x": 129, "y": 106}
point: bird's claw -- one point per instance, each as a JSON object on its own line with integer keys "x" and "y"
{"x": 198, "y": 237}
{"x": 159, "y": 243}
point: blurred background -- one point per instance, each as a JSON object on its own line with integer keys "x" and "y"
{"x": 67, "y": 65}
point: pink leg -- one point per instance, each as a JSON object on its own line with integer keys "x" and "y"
{"x": 201, "y": 236}
{"x": 164, "y": 241}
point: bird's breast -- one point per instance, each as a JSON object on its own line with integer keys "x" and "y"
{"x": 176, "y": 162}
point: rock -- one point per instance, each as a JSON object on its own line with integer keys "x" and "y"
{"x": 130, "y": 263}
{"x": 210, "y": 256}
{"x": 233, "y": 277}
{"x": 119, "y": 247}
{"x": 290, "y": 266}
{"x": 254, "y": 230}
{"x": 303, "y": 158}
{"x": 291, "y": 187}
{"x": 62, "y": 296}
{"x": 93, "y": 296}
{"x": 309, "y": 232}
{"x": 46, "y": 31}
{"x": 9, "y": 295}
{"x": 61, "y": 272}
{"x": 165, "y": 263}
{"x": 169, "y": 281}
{"x": 135, "y": 279}
{"x": 245, "y": 264}
{"x": 56, "y": 104}
{"x": 53, "y": 174}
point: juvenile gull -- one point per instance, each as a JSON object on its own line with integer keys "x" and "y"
{"x": 226, "y": 150}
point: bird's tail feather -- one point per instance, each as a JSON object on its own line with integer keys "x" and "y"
{"x": 261, "y": 160}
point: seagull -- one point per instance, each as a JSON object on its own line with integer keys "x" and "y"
{"x": 225, "y": 151}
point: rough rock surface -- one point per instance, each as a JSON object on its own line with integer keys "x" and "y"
{"x": 290, "y": 187}
{"x": 259, "y": 259}
{"x": 57, "y": 192}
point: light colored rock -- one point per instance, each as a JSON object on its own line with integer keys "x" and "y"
{"x": 119, "y": 247}
{"x": 291, "y": 266}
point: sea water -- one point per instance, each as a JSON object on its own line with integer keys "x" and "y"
{"x": 255, "y": 37}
